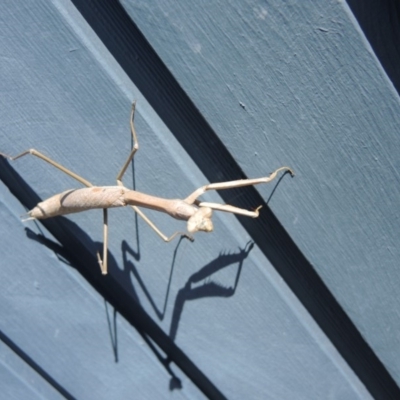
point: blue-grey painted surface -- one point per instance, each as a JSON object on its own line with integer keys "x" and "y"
{"x": 279, "y": 85}
{"x": 299, "y": 84}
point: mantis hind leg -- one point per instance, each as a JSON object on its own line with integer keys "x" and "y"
{"x": 121, "y": 173}
{"x": 36, "y": 153}
{"x": 135, "y": 147}
{"x": 103, "y": 263}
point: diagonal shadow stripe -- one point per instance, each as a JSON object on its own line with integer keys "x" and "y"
{"x": 380, "y": 22}
{"x": 132, "y": 51}
{"x": 36, "y": 367}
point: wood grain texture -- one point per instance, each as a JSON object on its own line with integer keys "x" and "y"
{"x": 299, "y": 85}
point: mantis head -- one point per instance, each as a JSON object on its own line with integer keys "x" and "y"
{"x": 201, "y": 220}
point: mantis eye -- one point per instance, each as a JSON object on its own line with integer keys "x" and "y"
{"x": 200, "y": 220}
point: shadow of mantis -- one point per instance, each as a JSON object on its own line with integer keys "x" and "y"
{"x": 111, "y": 315}
{"x": 209, "y": 288}
{"x": 190, "y": 291}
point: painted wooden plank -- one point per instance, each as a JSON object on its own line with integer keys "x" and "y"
{"x": 20, "y": 379}
{"x": 299, "y": 84}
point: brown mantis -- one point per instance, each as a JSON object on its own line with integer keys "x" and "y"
{"x": 196, "y": 213}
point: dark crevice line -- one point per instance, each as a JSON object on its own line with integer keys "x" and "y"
{"x": 130, "y": 48}
{"x": 107, "y": 286}
{"x": 36, "y": 367}
{"x": 380, "y": 22}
